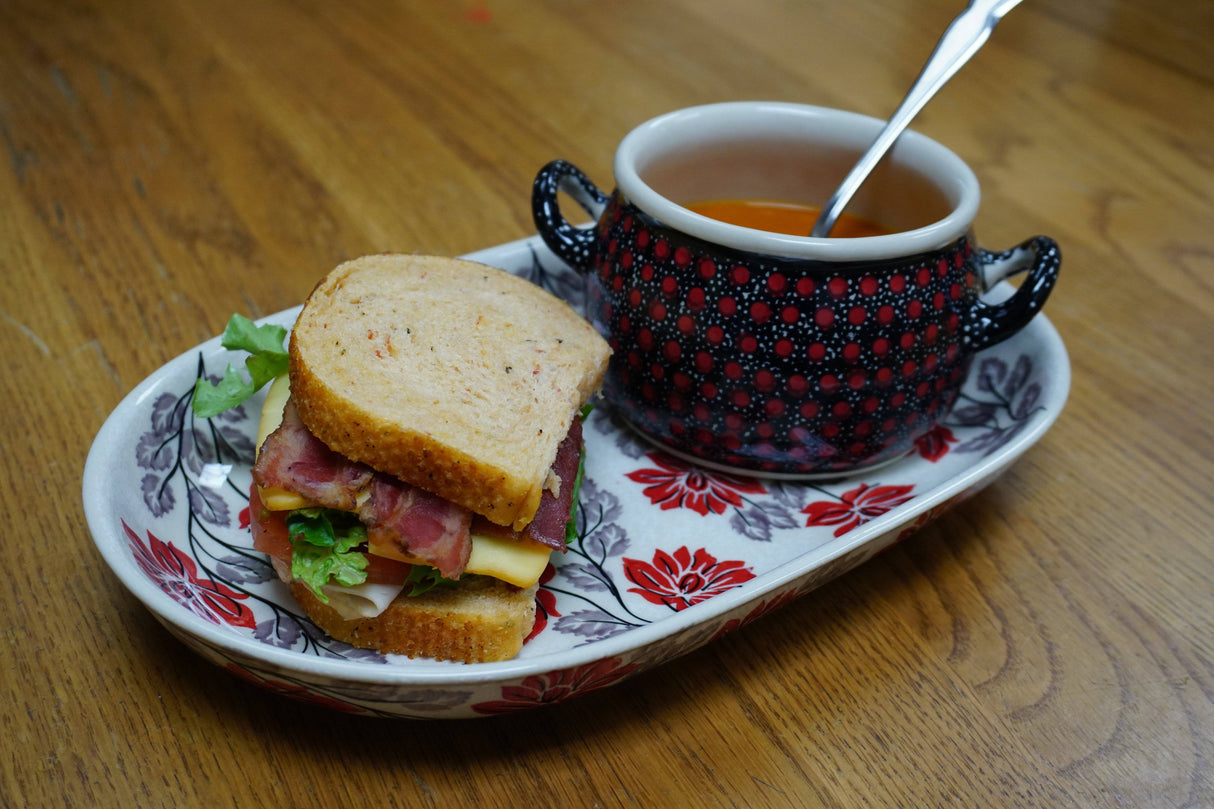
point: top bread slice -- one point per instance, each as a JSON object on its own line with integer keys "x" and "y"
{"x": 456, "y": 377}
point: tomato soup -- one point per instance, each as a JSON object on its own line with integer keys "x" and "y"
{"x": 783, "y": 217}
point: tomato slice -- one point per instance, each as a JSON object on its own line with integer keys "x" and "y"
{"x": 270, "y": 536}
{"x": 269, "y": 528}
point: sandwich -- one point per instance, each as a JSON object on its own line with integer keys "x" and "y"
{"x": 417, "y": 463}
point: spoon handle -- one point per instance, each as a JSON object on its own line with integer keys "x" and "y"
{"x": 960, "y": 41}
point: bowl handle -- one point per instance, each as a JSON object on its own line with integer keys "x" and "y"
{"x": 572, "y": 243}
{"x": 992, "y": 323}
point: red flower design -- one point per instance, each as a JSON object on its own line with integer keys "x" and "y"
{"x": 177, "y": 575}
{"x": 677, "y": 485}
{"x": 933, "y": 445}
{"x": 297, "y": 692}
{"x": 935, "y": 512}
{"x": 679, "y": 580}
{"x": 763, "y": 608}
{"x": 545, "y": 604}
{"x": 857, "y": 506}
{"x": 557, "y": 686}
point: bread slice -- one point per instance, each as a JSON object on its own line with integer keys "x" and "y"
{"x": 480, "y": 621}
{"x": 456, "y": 377}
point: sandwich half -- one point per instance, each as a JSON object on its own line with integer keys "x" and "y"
{"x": 417, "y": 465}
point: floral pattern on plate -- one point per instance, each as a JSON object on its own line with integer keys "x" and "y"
{"x": 668, "y": 556}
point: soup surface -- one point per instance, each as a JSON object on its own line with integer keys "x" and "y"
{"x": 783, "y": 217}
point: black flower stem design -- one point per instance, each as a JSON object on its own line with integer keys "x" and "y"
{"x": 615, "y": 619}
{"x": 740, "y": 513}
{"x": 601, "y": 571}
{"x": 1002, "y": 402}
{"x": 219, "y": 440}
{"x": 195, "y": 526}
{"x": 808, "y": 486}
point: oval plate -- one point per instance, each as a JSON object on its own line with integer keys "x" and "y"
{"x": 669, "y": 557}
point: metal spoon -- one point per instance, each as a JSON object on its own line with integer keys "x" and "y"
{"x": 961, "y": 40}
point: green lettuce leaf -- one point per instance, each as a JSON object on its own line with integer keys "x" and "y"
{"x": 571, "y": 525}
{"x": 267, "y": 359}
{"x": 423, "y": 579}
{"x": 324, "y": 547}
{"x": 243, "y": 334}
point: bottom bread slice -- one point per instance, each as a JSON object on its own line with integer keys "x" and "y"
{"x": 480, "y": 621}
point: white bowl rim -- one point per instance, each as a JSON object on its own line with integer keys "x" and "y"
{"x": 721, "y": 122}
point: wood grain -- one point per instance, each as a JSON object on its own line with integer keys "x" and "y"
{"x": 1048, "y": 643}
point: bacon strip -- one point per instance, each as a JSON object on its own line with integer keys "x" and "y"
{"x": 432, "y": 529}
{"x": 548, "y": 527}
{"x": 293, "y": 459}
{"x": 422, "y": 524}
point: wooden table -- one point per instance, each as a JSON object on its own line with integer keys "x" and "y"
{"x": 1048, "y": 643}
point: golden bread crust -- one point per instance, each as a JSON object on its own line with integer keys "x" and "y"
{"x": 482, "y": 620}
{"x": 454, "y": 376}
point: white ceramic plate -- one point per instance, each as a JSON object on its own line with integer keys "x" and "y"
{"x": 669, "y": 558}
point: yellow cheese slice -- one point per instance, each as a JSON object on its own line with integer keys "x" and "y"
{"x": 272, "y": 497}
{"x": 271, "y": 412}
{"x": 520, "y": 563}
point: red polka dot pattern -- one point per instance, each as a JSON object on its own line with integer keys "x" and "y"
{"x": 773, "y": 364}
